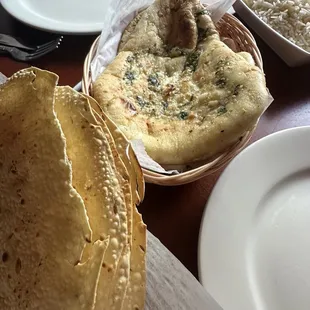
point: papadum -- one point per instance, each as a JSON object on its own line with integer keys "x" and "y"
{"x": 68, "y": 203}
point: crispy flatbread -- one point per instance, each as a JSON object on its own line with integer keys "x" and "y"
{"x": 178, "y": 88}
{"x": 135, "y": 293}
{"x": 125, "y": 150}
{"x": 44, "y": 225}
{"x": 67, "y": 202}
{"x": 97, "y": 179}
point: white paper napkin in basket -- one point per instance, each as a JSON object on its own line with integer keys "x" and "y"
{"x": 118, "y": 15}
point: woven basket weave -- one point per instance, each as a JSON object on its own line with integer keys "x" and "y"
{"x": 236, "y": 34}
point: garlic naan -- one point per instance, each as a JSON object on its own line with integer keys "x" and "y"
{"x": 177, "y": 87}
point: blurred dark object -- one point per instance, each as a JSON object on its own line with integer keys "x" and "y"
{"x": 32, "y": 54}
{"x": 8, "y": 40}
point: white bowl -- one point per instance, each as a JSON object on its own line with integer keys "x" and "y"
{"x": 291, "y": 54}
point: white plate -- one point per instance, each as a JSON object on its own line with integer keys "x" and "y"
{"x": 62, "y": 16}
{"x": 254, "y": 248}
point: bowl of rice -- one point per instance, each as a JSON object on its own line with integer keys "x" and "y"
{"x": 283, "y": 24}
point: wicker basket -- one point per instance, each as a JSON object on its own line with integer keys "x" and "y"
{"x": 231, "y": 28}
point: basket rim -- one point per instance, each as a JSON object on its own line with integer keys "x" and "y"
{"x": 205, "y": 169}
{"x": 209, "y": 167}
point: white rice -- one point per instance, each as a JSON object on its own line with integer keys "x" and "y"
{"x": 291, "y": 18}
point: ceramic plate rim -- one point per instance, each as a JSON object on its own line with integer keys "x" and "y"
{"x": 253, "y": 148}
{"x": 15, "y": 9}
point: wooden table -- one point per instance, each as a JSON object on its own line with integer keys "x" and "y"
{"x": 173, "y": 214}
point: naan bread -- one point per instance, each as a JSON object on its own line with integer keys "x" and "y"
{"x": 122, "y": 285}
{"x": 164, "y": 25}
{"x": 177, "y": 87}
